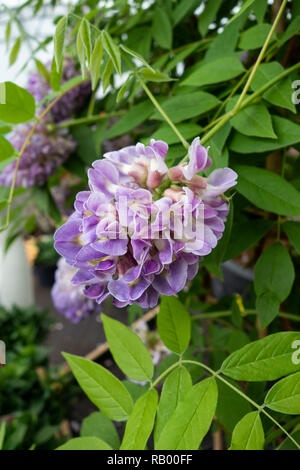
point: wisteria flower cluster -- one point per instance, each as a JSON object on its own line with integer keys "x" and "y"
{"x": 41, "y": 158}
{"x": 46, "y": 150}
{"x": 131, "y": 235}
{"x": 70, "y": 300}
{"x": 71, "y": 102}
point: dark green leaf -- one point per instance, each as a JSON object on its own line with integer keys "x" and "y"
{"x": 217, "y": 71}
{"x": 162, "y": 28}
{"x": 254, "y": 37}
{"x": 268, "y": 191}
{"x": 133, "y": 118}
{"x": 154, "y": 75}
{"x": 208, "y": 16}
{"x": 292, "y": 229}
{"x": 6, "y": 149}
{"x": 96, "y": 62}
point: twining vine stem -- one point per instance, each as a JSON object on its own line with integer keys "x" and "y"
{"x": 216, "y": 374}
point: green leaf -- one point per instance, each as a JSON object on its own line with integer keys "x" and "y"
{"x": 265, "y": 359}
{"x": 182, "y": 107}
{"x": 85, "y": 145}
{"x": 268, "y": 191}
{"x": 112, "y": 50}
{"x": 108, "y": 70}
{"x": 85, "y": 443}
{"x": 245, "y": 6}
{"x": 292, "y": 29}
{"x": 216, "y": 71}
{"x": 154, "y": 75}
{"x": 292, "y": 229}
{"x": 6, "y": 149}
{"x": 136, "y": 55}
{"x": 248, "y": 433}
{"x": 244, "y": 235}
{"x": 55, "y": 77}
{"x": 16, "y": 104}
{"x": 15, "y": 51}
{"x": 128, "y": 350}
{"x": 123, "y": 88}
{"x": 174, "y": 324}
{"x": 102, "y": 387}
{"x": 182, "y": 9}
{"x": 7, "y": 33}
{"x": 274, "y": 272}
{"x": 255, "y": 37}
{"x": 99, "y": 425}
{"x": 85, "y": 33}
{"x": 231, "y": 406}
{"x": 140, "y": 422}
{"x": 42, "y": 70}
{"x": 2, "y": 433}
{"x": 162, "y": 28}
{"x": 280, "y": 93}
{"x": 267, "y": 307}
{"x": 96, "y": 62}
{"x": 253, "y": 120}
{"x": 175, "y": 387}
{"x": 165, "y": 132}
{"x": 287, "y": 444}
{"x": 81, "y": 54}
{"x": 288, "y": 133}
{"x": 284, "y": 396}
{"x": 59, "y": 41}
{"x": 133, "y": 118}
{"x": 208, "y": 16}
{"x": 191, "y": 419}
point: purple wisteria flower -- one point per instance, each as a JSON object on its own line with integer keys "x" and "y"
{"x": 142, "y": 228}
{"x": 71, "y": 102}
{"x": 41, "y": 158}
{"x": 70, "y": 300}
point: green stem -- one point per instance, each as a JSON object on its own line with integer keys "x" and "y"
{"x": 261, "y": 55}
{"x": 156, "y": 104}
{"x": 88, "y": 119}
{"x": 228, "y": 313}
{"x": 166, "y": 372}
{"x": 242, "y": 394}
{"x": 277, "y": 433}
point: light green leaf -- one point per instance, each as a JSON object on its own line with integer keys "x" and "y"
{"x": 108, "y": 70}
{"x": 55, "y": 77}
{"x": 253, "y": 120}
{"x": 162, "y": 28}
{"x": 85, "y": 443}
{"x": 112, "y": 50}
{"x": 81, "y": 54}
{"x": 6, "y": 149}
{"x": 284, "y": 396}
{"x": 255, "y": 37}
{"x": 216, "y": 71}
{"x": 85, "y": 33}
{"x": 182, "y": 107}
{"x": 136, "y": 55}
{"x": 191, "y": 419}
{"x": 288, "y": 133}
{"x": 16, "y": 104}
{"x": 248, "y": 433}
{"x": 123, "y": 88}
{"x": 267, "y": 190}
{"x": 140, "y": 422}
{"x": 99, "y": 425}
{"x": 175, "y": 387}
{"x": 102, "y": 387}
{"x": 292, "y": 229}
{"x": 2, "y": 434}
{"x": 280, "y": 93}
{"x": 174, "y": 324}
{"x": 59, "y": 41}
{"x": 128, "y": 350}
{"x": 15, "y": 51}
{"x": 154, "y": 75}
{"x": 265, "y": 359}
{"x": 96, "y": 62}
